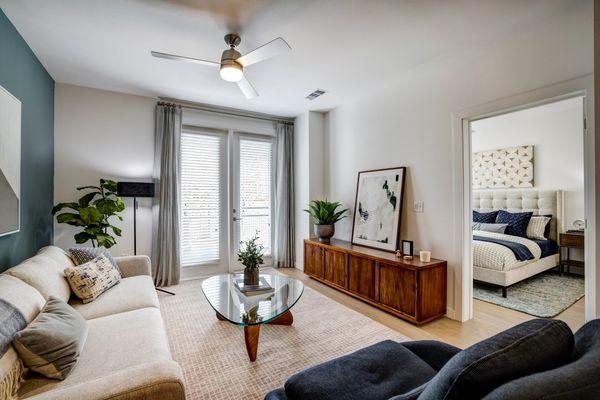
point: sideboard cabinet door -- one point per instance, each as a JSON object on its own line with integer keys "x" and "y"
{"x": 335, "y": 267}
{"x": 313, "y": 260}
{"x": 361, "y": 276}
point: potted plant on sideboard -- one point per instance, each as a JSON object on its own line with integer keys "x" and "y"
{"x": 325, "y": 214}
{"x": 250, "y": 255}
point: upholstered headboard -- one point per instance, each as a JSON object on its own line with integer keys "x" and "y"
{"x": 540, "y": 202}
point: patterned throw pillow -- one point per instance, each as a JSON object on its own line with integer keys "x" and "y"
{"x": 90, "y": 280}
{"x": 485, "y": 218}
{"x": 536, "y": 229}
{"x": 81, "y": 255}
{"x": 517, "y": 222}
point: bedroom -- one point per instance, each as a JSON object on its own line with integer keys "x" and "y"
{"x": 528, "y": 210}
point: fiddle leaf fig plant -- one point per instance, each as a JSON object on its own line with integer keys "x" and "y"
{"x": 325, "y": 212}
{"x": 92, "y": 213}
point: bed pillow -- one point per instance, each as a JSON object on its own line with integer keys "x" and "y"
{"x": 486, "y": 218}
{"x": 517, "y": 222}
{"x": 496, "y": 228}
{"x": 538, "y": 227}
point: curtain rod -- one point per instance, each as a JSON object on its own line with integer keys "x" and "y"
{"x": 223, "y": 110}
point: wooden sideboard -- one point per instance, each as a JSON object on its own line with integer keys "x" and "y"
{"x": 411, "y": 290}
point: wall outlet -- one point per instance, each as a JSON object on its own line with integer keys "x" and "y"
{"x": 418, "y": 206}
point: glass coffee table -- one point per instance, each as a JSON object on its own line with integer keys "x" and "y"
{"x": 253, "y": 310}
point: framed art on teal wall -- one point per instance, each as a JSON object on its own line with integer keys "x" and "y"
{"x": 10, "y": 162}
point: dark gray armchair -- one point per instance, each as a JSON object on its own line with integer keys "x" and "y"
{"x": 540, "y": 358}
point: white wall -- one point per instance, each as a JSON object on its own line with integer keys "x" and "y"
{"x": 101, "y": 134}
{"x": 408, "y": 121}
{"x": 556, "y": 133}
{"x": 309, "y": 173}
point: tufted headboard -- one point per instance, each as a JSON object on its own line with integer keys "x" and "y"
{"x": 541, "y": 202}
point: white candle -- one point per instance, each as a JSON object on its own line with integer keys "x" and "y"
{"x": 425, "y": 256}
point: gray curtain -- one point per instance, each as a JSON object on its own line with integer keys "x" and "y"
{"x": 165, "y": 244}
{"x": 283, "y": 252}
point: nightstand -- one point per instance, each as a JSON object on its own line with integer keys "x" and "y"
{"x": 568, "y": 241}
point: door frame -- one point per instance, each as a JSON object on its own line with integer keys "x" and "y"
{"x": 461, "y": 143}
{"x": 214, "y": 119}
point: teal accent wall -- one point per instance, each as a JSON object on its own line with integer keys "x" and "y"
{"x": 23, "y": 75}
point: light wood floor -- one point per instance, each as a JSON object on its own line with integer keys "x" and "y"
{"x": 488, "y": 320}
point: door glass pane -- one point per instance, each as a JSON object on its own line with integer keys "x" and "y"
{"x": 201, "y": 206}
{"x": 256, "y": 191}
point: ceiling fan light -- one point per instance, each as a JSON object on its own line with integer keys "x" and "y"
{"x": 231, "y": 72}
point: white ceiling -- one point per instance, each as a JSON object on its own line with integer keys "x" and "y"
{"x": 342, "y": 46}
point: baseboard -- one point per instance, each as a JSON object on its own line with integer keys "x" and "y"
{"x": 450, "y": 313}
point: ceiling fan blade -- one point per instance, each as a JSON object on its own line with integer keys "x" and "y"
{"x": 247, "y": 88}
{"x": 266, "y": 51}
{"x": 184, "y": 59}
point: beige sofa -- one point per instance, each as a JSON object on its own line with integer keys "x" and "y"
{"x": 126, "y": 353}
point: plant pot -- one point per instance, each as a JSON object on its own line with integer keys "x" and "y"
{"x": 324, "y": 232}
{"x": 251, "y": 276}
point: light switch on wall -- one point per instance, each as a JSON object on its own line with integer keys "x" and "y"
{"x": 418, "y": 206}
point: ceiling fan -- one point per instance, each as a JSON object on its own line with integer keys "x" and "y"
{"x": 231, "y": 67}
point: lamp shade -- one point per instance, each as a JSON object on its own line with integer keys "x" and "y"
{"x": 135, "y": 189}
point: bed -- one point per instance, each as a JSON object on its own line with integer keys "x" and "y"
{"x": 503, "y": 260}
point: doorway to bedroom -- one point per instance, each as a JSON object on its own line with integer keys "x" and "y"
{"x": 528, "y": 225}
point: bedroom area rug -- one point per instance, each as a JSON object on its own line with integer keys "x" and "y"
{"x": 213, "y": 357}
{"x": 545, "y": 295}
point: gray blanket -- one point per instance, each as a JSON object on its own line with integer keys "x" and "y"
{"x": 11, "y": 322}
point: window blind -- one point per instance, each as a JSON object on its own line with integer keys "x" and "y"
{"x": 201, "y": 206}
{"x": 256, "y": 191}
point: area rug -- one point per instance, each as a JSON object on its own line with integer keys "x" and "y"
{"x": 545, "y": 295}
{"x": 213, "y": 356}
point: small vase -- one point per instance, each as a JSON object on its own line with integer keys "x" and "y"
{"x": 251, "y": 276}
{"x": 324, "y": 232}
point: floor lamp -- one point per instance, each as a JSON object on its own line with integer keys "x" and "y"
{"x": 135, "y": 190}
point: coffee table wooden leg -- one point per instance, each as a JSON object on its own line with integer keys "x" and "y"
{"x": 251, "y": 334}
{"x": 285, "y": 319}
{"x": 220, "y": 318}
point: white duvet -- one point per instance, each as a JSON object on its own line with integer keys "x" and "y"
{"x": 498, "y": 257}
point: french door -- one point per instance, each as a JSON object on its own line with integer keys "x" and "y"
{"x": 226, "y": 197}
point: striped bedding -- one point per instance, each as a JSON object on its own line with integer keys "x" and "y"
{"x": 495, "y": 256}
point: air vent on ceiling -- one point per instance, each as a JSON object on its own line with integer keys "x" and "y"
{"x": 315, "y": 94}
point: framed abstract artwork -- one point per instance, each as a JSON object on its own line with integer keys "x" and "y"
{"x": 10, "y": 162}
{"x": 378, "y": 208}
{"x": 503, "y": 168}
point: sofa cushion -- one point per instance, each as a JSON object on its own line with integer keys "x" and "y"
{"x": 88, "y": 281}
{"x": 44, "y": 271}
{"x": 130, "y": 294}
{"x": 52, "y": 343}
{"x": 533, "y": 346}
{"x": 115, "y": 343}
{"x": 578, "y": 379}
{"x": 375, "y": 372}
{"x": 21, "y": 295}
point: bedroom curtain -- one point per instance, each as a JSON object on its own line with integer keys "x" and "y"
{"x": 283, "y": 249}
{"x": 165, "y": 244}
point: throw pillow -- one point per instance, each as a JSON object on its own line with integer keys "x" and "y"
{"x": 81, "y": 255}
{"x": 90, "y": 280}
{"x": 52, "y": 342}
{"x": 534, "y": 346}
{"x": 486, "y": 218}
{"x": 536, "y": 229}
{"x": 11, "y": 367}
{"x": 517, "y": 222}
{"x": 496, "y": 228}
